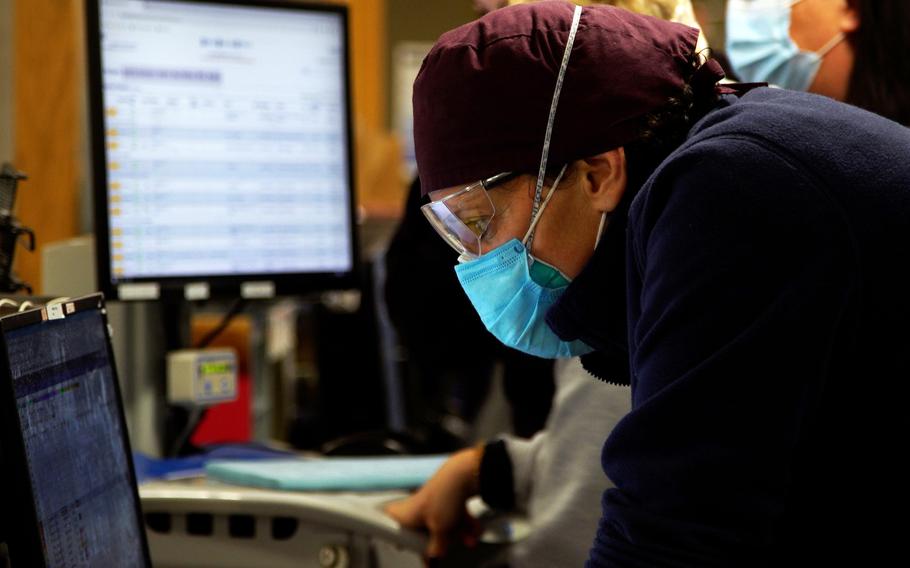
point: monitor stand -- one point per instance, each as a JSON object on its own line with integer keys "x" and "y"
{"x": 175, "y": 320}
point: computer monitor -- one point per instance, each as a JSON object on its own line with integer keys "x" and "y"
{"x": 69, "y": 489}
{"x": 221, "y": 144}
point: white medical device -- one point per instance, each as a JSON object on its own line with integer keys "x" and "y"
{"x": 201, "y": 377}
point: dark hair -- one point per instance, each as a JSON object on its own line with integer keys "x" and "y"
{"x": 880, "y": 81}
{"x": 665, "y": 129}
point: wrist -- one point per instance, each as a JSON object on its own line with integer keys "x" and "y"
{"x": 470, "y": 460}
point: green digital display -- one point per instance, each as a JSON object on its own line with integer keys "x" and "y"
{"x": 215, "y": 367}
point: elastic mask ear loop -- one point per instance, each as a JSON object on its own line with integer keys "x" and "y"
{"x": 600, "y": 228}
{"x": 529, "y": 236}
{"x": 832, "y": 43}
{"x": 541, "y": 173}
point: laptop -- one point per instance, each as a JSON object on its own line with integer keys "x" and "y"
{"x": 68, "y": 490}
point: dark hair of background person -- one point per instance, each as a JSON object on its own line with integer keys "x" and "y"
{"x": 880, "y": 81}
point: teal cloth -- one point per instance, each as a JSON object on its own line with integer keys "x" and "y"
{"x": 329, "y": 474}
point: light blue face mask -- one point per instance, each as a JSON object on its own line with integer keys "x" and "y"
{"x": 761, "y": 50}
{"x": 512, "y": 305}
{"x": 511, "y": 290}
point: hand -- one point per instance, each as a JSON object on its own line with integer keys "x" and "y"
{"x": 439, "y": 506}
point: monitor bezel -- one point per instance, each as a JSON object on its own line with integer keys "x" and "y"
{"x": 23, "y": 537}
{"x": 218, "y": 286}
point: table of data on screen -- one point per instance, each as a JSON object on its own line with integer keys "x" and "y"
{"x": 226, "y": 140}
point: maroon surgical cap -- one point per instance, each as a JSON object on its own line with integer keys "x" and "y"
{"x": 482, "y": 97}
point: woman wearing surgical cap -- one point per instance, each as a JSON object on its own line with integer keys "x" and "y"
{"x": 551, "y": 477}
{"x": 850, "y": 50}
{"x": 742, "y": 253}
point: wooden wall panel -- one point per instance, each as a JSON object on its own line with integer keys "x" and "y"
{"x": 380, "y": 174}
{"x": 49, "y": 66}
{"x": 368, "y": 60}
{"x": 6, "y": 75}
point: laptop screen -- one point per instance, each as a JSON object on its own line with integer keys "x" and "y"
{"x": 75, "y": 444}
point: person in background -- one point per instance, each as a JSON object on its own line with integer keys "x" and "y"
{"x": 760, "y": 302}
{"x": 553, "y": 477}
{"x": 850, "y": 50}
{"x": 443, "y": 393}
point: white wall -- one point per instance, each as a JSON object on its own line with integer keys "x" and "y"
{"x": 6, "y": 76}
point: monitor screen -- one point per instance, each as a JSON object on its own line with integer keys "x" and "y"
{"x": 76, "y": 449}
{"x": 222, "y": 149}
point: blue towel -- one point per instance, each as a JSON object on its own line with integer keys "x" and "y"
{"x": 149, "y": 468}
{"x": 329, "y": 474}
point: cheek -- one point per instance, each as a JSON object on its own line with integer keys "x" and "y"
{"x": 812, "y": 24}
{"x": 510, "y": 222}
{"x": 566, "y": 235}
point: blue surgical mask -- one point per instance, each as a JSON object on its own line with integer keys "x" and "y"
{"x": 511, "y": 290}
{"x": 761, "y": 50}
{"x": 512, "y": 305}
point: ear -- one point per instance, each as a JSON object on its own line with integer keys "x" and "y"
{"x": 849, "y": 20}
{"x": 603, "y": 179}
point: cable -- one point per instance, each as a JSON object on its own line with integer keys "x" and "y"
{"x": 26, "y": 305}
{"x": 198, "y": 414}
{"x": 192, "y": 422}
{"x": 235, "y": 310}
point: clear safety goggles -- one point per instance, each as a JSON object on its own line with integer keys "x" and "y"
{"x": 463, "y": 217}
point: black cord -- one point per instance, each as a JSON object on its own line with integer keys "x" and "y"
{"x": 235, "y": 310}
{"x": 198, "y": 415}
{"x": 193, "y": 420}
